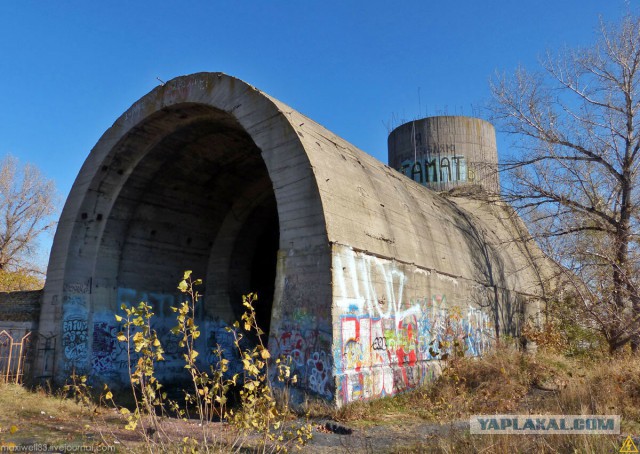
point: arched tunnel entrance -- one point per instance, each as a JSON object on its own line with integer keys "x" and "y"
{"x": 207, "y": 173}
{"x": 198, "y": 197}
{"x": 204, "y": 173}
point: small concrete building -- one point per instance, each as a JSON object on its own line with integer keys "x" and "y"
{"x": 365, "y": 278}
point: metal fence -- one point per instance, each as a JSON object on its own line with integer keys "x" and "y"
{"x": 13, "y": 354}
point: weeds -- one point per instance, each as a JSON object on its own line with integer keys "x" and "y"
{"x": 79, "y": 390}
{"x": 146, "y": 390}
{"x": 258, "y": 411}
{"x": 209, "y": 389}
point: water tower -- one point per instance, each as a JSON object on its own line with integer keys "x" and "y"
{"x": 446, "y": 152}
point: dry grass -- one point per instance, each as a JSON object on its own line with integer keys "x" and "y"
{"x": 510, "y": 382}
{"x": 493, "y": 384}
{"x": 37, "y": 417}
{"x": 530, "y": 444}
{"x": 506, "y": 381}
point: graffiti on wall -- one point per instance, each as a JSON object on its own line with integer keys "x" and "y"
{"x": 109, "y": 356}
{"x": 304, "y": 339}
{"x": 75, "y": 329}
{"x": 389, "y": 342}
{"x": 438, "y": 169}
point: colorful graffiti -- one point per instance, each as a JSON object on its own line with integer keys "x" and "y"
{"x": 304, "y": 339}
{"x": 106, "y": 350}
{"x": 388, "y": 342}
{"x": 109, "y": 356}
{"x": 75, "y": 331}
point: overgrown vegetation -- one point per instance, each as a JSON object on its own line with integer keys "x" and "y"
{"x": 504, "y": 381}
{"x": 566, "y": 376}
{"x": 509, "y": 381}
{"x": 257, "y": 411}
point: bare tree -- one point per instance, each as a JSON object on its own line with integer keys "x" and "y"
{"x": 27, "y": 203}
{"x": 576, "y": 177}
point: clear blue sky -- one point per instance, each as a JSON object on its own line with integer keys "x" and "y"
{"x": 68, "y": 68}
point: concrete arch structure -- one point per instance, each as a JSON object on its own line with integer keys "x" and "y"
{"x": 365, "y": 277}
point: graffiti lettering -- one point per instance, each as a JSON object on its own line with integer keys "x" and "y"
{"x": 379, "y": 343}
{"x": 389, "y": 343}
{"x": 440, "y": 169}
{"x": 305, "y": 339}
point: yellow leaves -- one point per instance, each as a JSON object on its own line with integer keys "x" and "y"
{"x": 139, "y": 341}
{"x": 19, "y": 281}
{"x": 13, "y": 429}
{"x": 118, "y": 318}
{"x": 208, "y": 393}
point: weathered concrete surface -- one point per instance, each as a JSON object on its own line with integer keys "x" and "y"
{"x": 444, "y": 152}
{"x": 365, "y": 276}
{"x": 22, "y": 306}
{"x": 20, "y": 312}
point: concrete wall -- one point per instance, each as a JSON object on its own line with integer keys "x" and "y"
{"x": 446, "y": 152}
{"x": 364, "y": 276}
{"x": 19, "y": 314}
{"x": 19, "y": 311}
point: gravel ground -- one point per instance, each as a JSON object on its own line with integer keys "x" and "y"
{"x": 388, "y": 438}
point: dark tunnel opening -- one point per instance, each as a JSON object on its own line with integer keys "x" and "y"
{"x": 199, "y": 198}
{"x": 263, "y": 267}
{"x": 253, "y": 265}
{"x": 263, "y": 275}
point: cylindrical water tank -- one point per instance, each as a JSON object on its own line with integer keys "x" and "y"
{"x": 446, "y": 152}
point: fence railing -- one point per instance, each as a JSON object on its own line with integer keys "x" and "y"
{"x": 13, "y": 354}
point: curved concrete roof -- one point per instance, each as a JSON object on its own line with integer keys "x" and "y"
{"x": 372, "y": 207}
{"x": 188, "y": 172}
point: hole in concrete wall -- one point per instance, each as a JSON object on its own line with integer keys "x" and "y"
{"x": 200, "y": 199}
{"x": 253, "y": 261}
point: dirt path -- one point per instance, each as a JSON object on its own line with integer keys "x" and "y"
{"x": 388, "y": 438}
